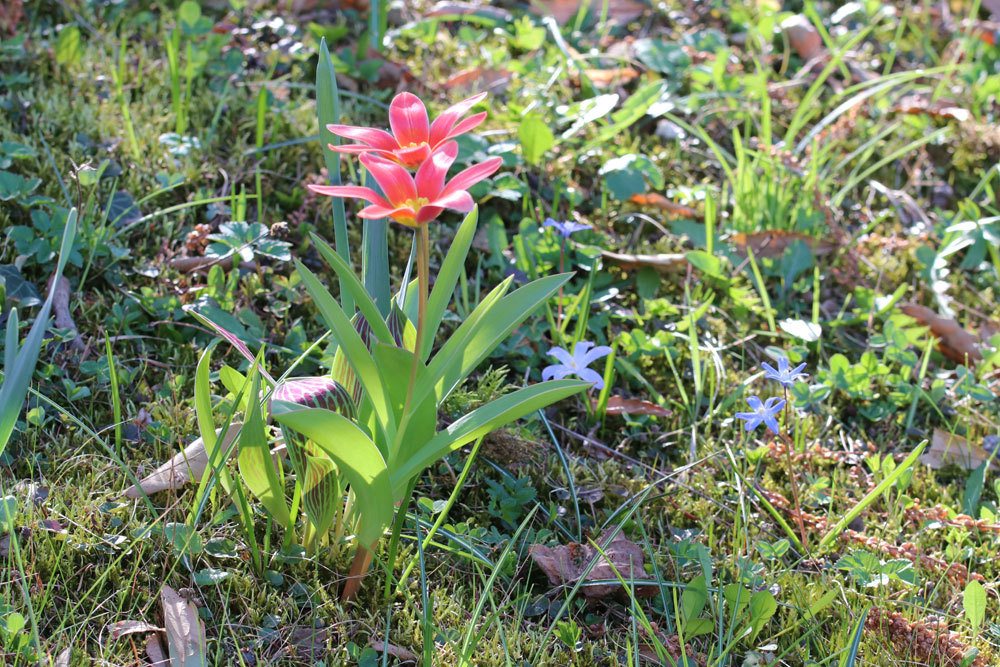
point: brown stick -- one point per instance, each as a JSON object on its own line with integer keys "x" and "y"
{"x": 359, "y": 567}
{"x": 63, "y": 316}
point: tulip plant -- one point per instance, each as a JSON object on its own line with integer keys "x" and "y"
{"x": 371, "y": 428}
{"x": 394, "y": 436}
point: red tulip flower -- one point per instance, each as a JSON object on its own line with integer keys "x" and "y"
{"x": 413, "y": 137}
{"x": 415, "y": 200}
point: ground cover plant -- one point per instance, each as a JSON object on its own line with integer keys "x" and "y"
{"x": 549, "y": 333}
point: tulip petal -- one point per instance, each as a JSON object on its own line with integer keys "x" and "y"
{"x": 395, "y": 181}
{"x": 379, "y": 139}
{"x": 433, "y": 172}
{"x": 402, "y": 214}
{"x": 460, "y": 201}
{"x": 469, "y": 177}
{"x": 408, "y": 119}
{"x": 411, "y": 156}
{"x": 443, "y": 126}
{"x": 466, "y": 125}
{"x": 428, "y": 213}
{"x": 352, "y": 191}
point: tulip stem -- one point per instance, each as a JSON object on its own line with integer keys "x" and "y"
{"x": 423, "y": 277}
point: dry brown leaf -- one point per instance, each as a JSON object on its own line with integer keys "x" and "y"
{"x": 62, "y": 660}
{"x": 448, "y": 8}
{"x": 950, "y": 449}
{"x": 564, "y": 11}
{"x": 564, "y": 565}
{"x": 773, "y": 243}
{"x": 661, "y": 262}
{"x": 121, "y": 628}
{"x": 186, "y": 642}
{"x": 617, "y": 405}
{"x": 494, "y": 80}
{"x": 920, "y": 105}
{"x": 398, "y": 652}
{"x": 954, "y": 342}
{"x": 11, "y": 13}
{"x": 188, "y": 465}
{"x": 155, "y": 653}
{"x": 803, "y": 37}
{"x": 606, "y": 78}
{"x": 661, "y": 202}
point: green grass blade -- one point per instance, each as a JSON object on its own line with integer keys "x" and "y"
{"x": 17, "y": 377}
{"x": 882, "y": 487}
{"x": 851, "y": 656}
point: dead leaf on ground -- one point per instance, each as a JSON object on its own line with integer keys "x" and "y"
{"x": 954, "y": 342}
{"x": 62, "y": 660}
{"x": 564, "y": 565}
{"x": 448, "y": 8}
{"x": 803, "y": 37}
{"x": 564, "y": 11}
{"x": 607, "y": 78}
{"x": 188, "y": 465}
{"x": 490, "y": 79}
{"x": 186, "y": 642}
{"x": 398, "y": 652}
{"x": 919, "y": 105}
{"x": 155, "y": 653}
{"x": 122, "y": 628}
{"x": 618, "y": 405}
{"x": 773, "y": 243}
{"x": 950, "y": 449}
{"x": 661, "y": 262}
{"x": 661, "y": 202}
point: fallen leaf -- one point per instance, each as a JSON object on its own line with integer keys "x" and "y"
{"x": 188, "y": 465}
{"x": 661, "y": 202}
{"x": 802, "y": 36}
{"x": 950, "y": 449}
{"x": 398, "y": 652}
{"x": 954, "y": 342}
{"x": 493, "y": 80}
{"x": 155, "y": 653}
{"x": 122, "y": 628}
{"x": 773, "y": 243}
{"x": 920, "y": 105}
{"x": 564, "y": 11}
{"x": 62, "y": 660}
{"x": 565, "y": 565}
{"x": 186, "y": 642}
{"x": 618, "y": 405}
{"x": 606, "y": 78}
{"x": 661, "y": 262}
{"x": 309, "y": 642}
{"x": 446, "y": 9}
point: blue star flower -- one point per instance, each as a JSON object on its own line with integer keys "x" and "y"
{"x": 565, "y": 229}
{"x": 577, "y": 363}
{"x": 784, "y": 375}
{"x": 763, "y": 413}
